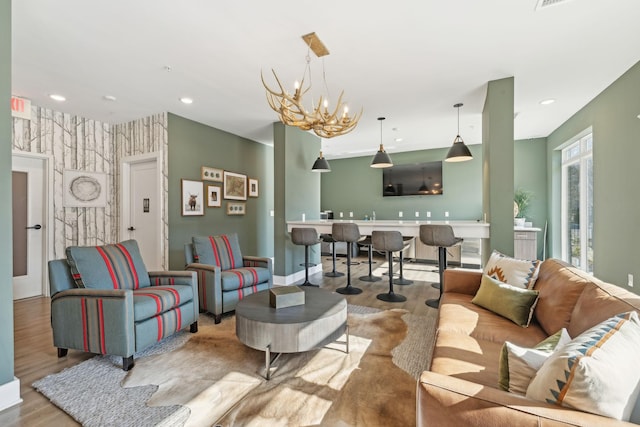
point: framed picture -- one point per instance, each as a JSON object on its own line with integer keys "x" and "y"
{"x": 211, "y": 174}
{"x": 192, "y": 198}
{"x": 84, "y": 189}
{"x": 235, "y": 208}
{"x": 253, "y": 187}
{"x": 235, "y": 186}
{"x": 213, "y": 196}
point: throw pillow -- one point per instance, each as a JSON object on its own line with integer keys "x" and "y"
{"x": 118, "y": 266}
{"x": 222, "y": 251}
{"x": 516, "y": 272}
{"x": 516, "y": 304}
{"x": 518, "y": 365}
{"x": 596, "y": 372}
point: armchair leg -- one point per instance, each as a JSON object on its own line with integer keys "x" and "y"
{"x": 217, "y": 318}
{"x": 62, "y": 352}
{"x": 194, "y": 327}
{"x": 127, "y": 363}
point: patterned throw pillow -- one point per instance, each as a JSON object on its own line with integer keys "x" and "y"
{"x": 117, "y": 266}
{"x": 596, "y": 372}
{"x": 516, "y": 304}
{"x": 222, "y": 251}
{"x": 516, "y": 272}
{"x": 518, "y": 365}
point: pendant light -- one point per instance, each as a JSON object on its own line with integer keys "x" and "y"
{"x": 381, "y": 159}
{"x": 321, "y": 164}
{"x": 458, "y": 151}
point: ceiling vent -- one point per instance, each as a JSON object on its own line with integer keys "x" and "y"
{"x": 541, "y": 4}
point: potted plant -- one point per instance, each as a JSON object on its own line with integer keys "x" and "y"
{"x": 521, "y": 199}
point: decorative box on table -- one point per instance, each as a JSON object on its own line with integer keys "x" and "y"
{"x": 285, "y": 296}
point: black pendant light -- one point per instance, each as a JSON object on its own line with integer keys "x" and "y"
{"x": 381, "y": 159}
{"x": 458, "y": 151}
{"x": 423, "y": 188}
{"x": 321, "y": 164}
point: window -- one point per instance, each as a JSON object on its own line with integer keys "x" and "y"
{"x": 577, "y": 203}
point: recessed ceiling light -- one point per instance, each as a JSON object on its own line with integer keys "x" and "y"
{"x": 547, "y": 101}
{"x": 109, "y": 98}
{"x": 186, "y": 100}
{"x": 57, "y": 97}
{"x": 398, "y": 140}
{"x": 639, "y": 116}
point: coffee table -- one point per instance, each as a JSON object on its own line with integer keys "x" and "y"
{"x": 320, "y": 321}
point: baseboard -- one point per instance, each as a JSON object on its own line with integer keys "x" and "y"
{"x": 10, "y": 394}
{"x": 298, "y": 275}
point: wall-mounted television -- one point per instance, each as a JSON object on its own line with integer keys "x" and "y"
{"x": 414, "y": 179}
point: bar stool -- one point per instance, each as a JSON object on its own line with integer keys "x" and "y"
{"x": 307, "y": 237}
{"x": 328, "y": 238}
{"x": 441, "y": 236}
{"x": 370, "y": 277}
{"x": 389, "y": 242}
{"x": 347, "y": 232}
{"x": 406, "y": 241}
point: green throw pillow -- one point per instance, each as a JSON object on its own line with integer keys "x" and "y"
{"x": 518, "y": 365}
{"x": 516, "y": 304}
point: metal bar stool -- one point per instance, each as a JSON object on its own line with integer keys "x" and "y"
{"x": 389, "y": 242}
{"x": 306, "y": 237}
{"x": 406, "y": 241}
{"x": 347, "y": 232}
{"x": 370, "y": 277}
{"x": 328, "y": 238}
{"x": 441, "y": 236}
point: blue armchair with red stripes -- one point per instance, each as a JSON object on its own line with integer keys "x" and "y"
{"x": 104, "y": 301}
{"x": 225, "y": 276}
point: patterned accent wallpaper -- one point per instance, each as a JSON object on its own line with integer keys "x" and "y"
{"x": 73, "y": 142}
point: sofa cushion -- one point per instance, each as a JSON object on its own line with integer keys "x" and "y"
{"x": 459, "y": 315}
{"x": 154, "y": 300}
{"x": 518, "y": 365}
{"x": 117, "y": 266}
{"x": 514, "y": 303}
{"x": 516, "y": 272}
{"x": 238, "y": 278}
{"x": 222, "y": 251}
{"x": 560, "y": 286}
{"x": 596, "y": 372}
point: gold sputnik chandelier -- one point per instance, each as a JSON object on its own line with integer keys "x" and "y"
{"x": 323, "y": 122}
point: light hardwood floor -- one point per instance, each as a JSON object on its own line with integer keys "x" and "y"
{"x": 35, "y": 356}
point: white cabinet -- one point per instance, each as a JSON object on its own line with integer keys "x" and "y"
{"x": 525, "y": 243}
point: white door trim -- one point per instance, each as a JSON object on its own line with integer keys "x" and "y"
{"x": 48, "y": 212}
{"x": 125, "y": 193}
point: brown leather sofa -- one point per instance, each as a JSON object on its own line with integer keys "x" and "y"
{"x": 461, "y": 386}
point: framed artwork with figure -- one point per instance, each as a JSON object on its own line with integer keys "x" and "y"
{"x": 213, "y": 196}
{"x": 192, "y": 198}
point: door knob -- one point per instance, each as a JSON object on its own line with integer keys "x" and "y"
{"x": 130, "y": 228}
{"x": 34, "y": 227}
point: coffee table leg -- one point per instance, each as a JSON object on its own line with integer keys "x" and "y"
{"x": 347, "y": 338}
{"x": 267, "y": 362}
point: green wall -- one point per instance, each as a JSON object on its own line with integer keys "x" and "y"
{"x": 616, "y": 137}
{"x": 352, "y": 185}
{"x": 193, "y": 145}
{"x": 530, "y": 173}
{"x": 6, "y": 246}
{"x": 297, "y": 191}
{"x": 498, "y": 166}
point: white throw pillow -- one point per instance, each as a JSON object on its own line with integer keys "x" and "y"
{"x": 596, "y": 372}
{"x": 516, "y": 272}
{"x": 518, "y": 365}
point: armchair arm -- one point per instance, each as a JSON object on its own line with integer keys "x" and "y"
{"x": 94, "y": 320}
{"x": 209, "y": 286}
{"x": 255, "y": 261}
{"x": 443, "y": 400}
{"x": 177, "y": 277}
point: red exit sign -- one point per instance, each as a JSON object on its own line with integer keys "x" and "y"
{"x": 21, "y": 108}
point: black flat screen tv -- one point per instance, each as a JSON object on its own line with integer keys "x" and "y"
{"x": 414, "y": 179}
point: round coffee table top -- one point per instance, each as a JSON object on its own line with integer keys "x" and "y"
{"x": 321, "y": 319}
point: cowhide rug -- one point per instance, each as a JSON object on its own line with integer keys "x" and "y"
{"x": 221, "y": 381}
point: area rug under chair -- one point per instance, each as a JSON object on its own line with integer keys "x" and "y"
{"x": 210, "y": 378}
